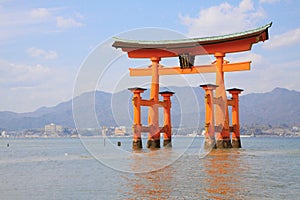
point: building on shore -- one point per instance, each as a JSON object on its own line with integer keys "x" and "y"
{"x": 53, "y": 129}
{"x": 120, "y": 131}
{"x": 4, "y": 134}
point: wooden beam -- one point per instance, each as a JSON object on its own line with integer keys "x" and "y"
{"x": 151, "y": 102}
{"x": 230, "y": 102}
{"x": 229, "y": 67}
{"x": 240, "y": 66}
{"x": 147, "y": 129}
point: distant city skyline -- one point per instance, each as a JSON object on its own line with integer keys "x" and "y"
{"x": 44, "y": 43}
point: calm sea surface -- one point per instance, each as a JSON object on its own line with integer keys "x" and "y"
{"x": 95, "y": 168}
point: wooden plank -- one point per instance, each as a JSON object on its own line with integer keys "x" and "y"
{"x": 229, "y": 67}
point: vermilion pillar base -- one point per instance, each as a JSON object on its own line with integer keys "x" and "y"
{"x": 168, "y": 142}
{"x": 236, "y": 143}
{"x": 210, "y": 143}
{"x": 153, "y": 144}
{"x": 137, "y": 144}
{"x": 223, "y": 144}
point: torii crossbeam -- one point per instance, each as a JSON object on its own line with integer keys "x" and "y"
{"x": 217, "y": 120}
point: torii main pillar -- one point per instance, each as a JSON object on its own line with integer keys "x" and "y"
{"x": 154, "y": 134}
{"x": 221, "y": 112}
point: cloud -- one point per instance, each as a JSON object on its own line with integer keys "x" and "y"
{"x": 48, "y": 55}
{"x": 268, "y": 1}
{"x": 25, "y": 87}
{"x": 245, "y": 56}
{"x": 223, "y": 19}
{"x": 15, "y": 23}
{"x": 63, "y": 22}
{"x": 265, "y": 76}
{"x": 40, "y": 13}
{"x": 265, "y": 73}
{"x": 20, "y": 75}
{"x": 288, "y": 38}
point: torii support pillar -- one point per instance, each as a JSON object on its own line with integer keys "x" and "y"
{"x": 167, "y": 129}
{"x": 210, "y": 141}
{"x": 137, "y": 126}
{"x": 234, "y": 102}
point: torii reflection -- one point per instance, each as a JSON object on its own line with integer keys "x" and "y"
{"x": 150, "y": 185}
{"x": 224, "y": 170}
{"x": 220, "y": 175}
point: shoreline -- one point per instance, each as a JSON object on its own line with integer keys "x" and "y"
{"x": 130, "y": 136}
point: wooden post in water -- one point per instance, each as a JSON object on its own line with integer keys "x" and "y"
{"x": 137, "y": 126}
{"x": 210, "y": 141}
{"x": 235, "y": 128}
{"x": 167, "y": 129}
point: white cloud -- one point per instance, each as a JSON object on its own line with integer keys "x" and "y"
{"x": 20, "y": 75}
{"x": 265, "y": 76}
{"x": 63, "y": 22}
{"x": 288, "y": 38}
{"x": 223, "y": 19}
{"x": 48, "y": 55}
{"x": 40, "y": 13}
{"x": 268, "y": 1}
{"x": 245, "y": 56}
{"x": 15, "y": 23}
{"x": 25, "y": 87}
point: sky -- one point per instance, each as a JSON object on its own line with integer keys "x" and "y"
{"x": 44, "y": 43}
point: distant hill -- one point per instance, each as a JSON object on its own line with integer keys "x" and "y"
{"x": 280, "y": 106}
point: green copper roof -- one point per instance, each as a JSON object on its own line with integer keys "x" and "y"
{"x": 125, "y": 43}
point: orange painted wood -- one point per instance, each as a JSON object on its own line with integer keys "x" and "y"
{"x": 229, "y": 67}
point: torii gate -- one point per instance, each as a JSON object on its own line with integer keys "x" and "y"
{"x": 216, "y": 120}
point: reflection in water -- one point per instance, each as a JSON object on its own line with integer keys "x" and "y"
{"x": 223, "y": 170}
{"x": 217, "y": 176}
{"x": 155, "y": 184}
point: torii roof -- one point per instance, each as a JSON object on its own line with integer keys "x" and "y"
{"x": 230, "y": 43}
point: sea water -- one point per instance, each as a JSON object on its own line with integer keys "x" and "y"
{"x": 97, "y": 168}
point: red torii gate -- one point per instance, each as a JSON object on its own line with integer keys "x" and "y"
{"x": 217, "y": 120}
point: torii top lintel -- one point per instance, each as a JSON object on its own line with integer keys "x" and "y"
{"x": 230, "y": 43}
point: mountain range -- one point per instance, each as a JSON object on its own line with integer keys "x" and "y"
{"x": 94, "y": 109}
